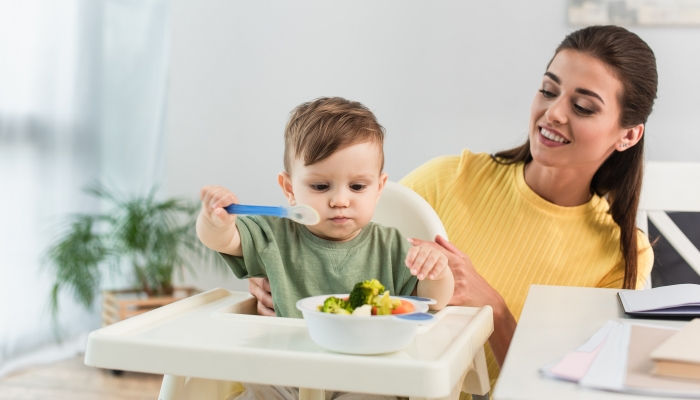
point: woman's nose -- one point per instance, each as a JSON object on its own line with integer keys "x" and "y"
{"x": 557, "y": 111}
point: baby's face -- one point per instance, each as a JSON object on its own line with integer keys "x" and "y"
{"x": 344, "y": 189}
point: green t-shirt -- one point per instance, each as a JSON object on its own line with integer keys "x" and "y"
{"x": 300, "y": 264}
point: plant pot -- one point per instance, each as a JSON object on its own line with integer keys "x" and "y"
{"x": 118, "y": 305}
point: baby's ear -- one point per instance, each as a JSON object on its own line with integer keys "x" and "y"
{"x": 382, "y": 182}
{"x": 285, "y": 182}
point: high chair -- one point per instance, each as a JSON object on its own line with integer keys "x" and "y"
{"x": 169, "y": 340}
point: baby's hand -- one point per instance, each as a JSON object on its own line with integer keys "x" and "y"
{"x": 214, "y": 199}
{"x": 426, "y": 262}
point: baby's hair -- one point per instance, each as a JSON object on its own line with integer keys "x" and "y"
{"x": 319, "y": 128}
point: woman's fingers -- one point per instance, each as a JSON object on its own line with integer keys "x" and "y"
{"x": 267, "y": 312}
{"x": 260, "y": 289}
{"x": 447, "y": 245}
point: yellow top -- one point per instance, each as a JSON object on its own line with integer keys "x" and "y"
{"x": 515, "y": 238}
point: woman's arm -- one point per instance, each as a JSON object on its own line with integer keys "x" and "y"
{"x": 472, "y": 290}
{"x": 260, "y": 289}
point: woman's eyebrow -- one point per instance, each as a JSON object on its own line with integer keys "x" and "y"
{"x": 585, "y": 92}
{"x": 553, "y": 77}
{"x": 589, "y": 93}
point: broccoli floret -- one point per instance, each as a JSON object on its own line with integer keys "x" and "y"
{"x": 383, "y": 304}
{"x": 365, "y": 292}
{"x": 334, "y": 305}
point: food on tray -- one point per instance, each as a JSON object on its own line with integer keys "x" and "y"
{"x": 367, "y": 298}
{"x": 364, "y": 292}
{"x": 334, "y": 305}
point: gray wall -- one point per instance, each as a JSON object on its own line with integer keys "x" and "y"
{"x": 440, "y": 76}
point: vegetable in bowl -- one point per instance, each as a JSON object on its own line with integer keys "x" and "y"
{"x": 357, "y": 333}
{"x": 367, "y": 298}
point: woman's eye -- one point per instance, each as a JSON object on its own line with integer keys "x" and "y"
{"x": 582, "y": 110}
{"x": 357, "y": 187}
{"x": 319, "y": 187}
{"x": 547, "y": 94}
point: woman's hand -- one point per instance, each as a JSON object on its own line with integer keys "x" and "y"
{"x": 260, "y": 289}
{"x": 472, "y": 290}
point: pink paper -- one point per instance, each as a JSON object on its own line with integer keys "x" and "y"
{"x": 574, "y": 365}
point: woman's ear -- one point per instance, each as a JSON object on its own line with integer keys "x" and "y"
{"x": 382, "y": 182}
{"x": 630, "y": 137}
{"x": 285, "y": 181}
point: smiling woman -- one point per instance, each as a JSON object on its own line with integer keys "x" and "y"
{"x": 561, "y": 208}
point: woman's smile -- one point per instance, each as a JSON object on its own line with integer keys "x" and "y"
{"x": 551, "y": 135}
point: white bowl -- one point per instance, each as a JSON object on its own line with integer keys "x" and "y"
{"x": 355, "y": 334}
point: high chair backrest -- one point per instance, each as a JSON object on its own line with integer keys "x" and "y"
{"x": 670, "y": 186}
{"x": 404, "y": 209}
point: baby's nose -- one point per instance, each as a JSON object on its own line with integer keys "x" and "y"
{"x": 340, "y": 198}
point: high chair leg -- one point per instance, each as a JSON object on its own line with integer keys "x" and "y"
{"x": 312, "y": 394}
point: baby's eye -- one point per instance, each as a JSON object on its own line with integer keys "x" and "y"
{"x": 357, "y": 187}
{"x": 320, "y": 187}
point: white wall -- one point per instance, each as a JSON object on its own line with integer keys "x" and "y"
{"x": 440, "y": 76}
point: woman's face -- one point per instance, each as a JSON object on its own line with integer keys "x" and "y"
{"x": 574, "y": 120}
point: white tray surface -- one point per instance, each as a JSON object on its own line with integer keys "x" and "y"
{"x": 202, "y": 337}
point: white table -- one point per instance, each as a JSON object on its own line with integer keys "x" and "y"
{"x": 555, "y": 320}
{"x": 204, "y": 342}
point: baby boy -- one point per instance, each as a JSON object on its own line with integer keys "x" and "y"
{"x": 333, "y": 162}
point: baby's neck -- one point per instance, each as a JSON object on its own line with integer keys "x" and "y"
{"x": 335, "y": 239}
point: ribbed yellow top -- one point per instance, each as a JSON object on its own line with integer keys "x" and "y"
{"x": 514, "y": 237}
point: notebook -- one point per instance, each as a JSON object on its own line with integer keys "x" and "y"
{"x": 679, "y": 355}
{"x": 670, "y": 301}
{"x": 639, "y": 379}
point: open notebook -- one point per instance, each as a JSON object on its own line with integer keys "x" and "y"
{"x": 671, "y": 301}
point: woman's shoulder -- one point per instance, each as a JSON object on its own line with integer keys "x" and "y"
{"x": 449, "y": 168}
{"x": 439, "y": 179}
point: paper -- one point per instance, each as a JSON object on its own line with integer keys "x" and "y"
{"x": 617, "y": 358}
{"x": 682, "y": 347}
{"x": 639, "y": 377}
{"x": 574, "y": 365}
{"x": 608, "y": 369}
{"x": 670, "y": 299}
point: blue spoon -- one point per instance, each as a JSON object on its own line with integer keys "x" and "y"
{"x": 301, "y": 213}
{"x": 426, "y": 300}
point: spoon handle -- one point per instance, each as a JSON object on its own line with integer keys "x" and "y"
{"x": 256, "y": 210}
{"x": 425, "y": 300}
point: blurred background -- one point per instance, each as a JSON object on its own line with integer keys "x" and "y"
{"x": 183, "y": 93}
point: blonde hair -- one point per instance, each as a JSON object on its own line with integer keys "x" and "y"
{"x": 319, "y": 128}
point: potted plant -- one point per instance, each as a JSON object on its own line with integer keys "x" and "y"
{"x": 148, "y": 239}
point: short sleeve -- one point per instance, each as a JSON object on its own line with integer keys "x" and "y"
{"x": 615, "y": 279}
{"x": 256, "y": 236}
{"x": 646, "y": 260}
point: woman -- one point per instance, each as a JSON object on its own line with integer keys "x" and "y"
{"x": 561, "y": 208}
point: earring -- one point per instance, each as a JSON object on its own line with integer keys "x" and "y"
{"x": 623, "y": 145}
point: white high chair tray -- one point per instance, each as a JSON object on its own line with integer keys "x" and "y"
{"x": 210, "y": 336}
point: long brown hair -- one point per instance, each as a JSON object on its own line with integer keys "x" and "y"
{"x": 620, "y": 176}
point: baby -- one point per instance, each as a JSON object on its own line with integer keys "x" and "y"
{"x": 333, "y": 162}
